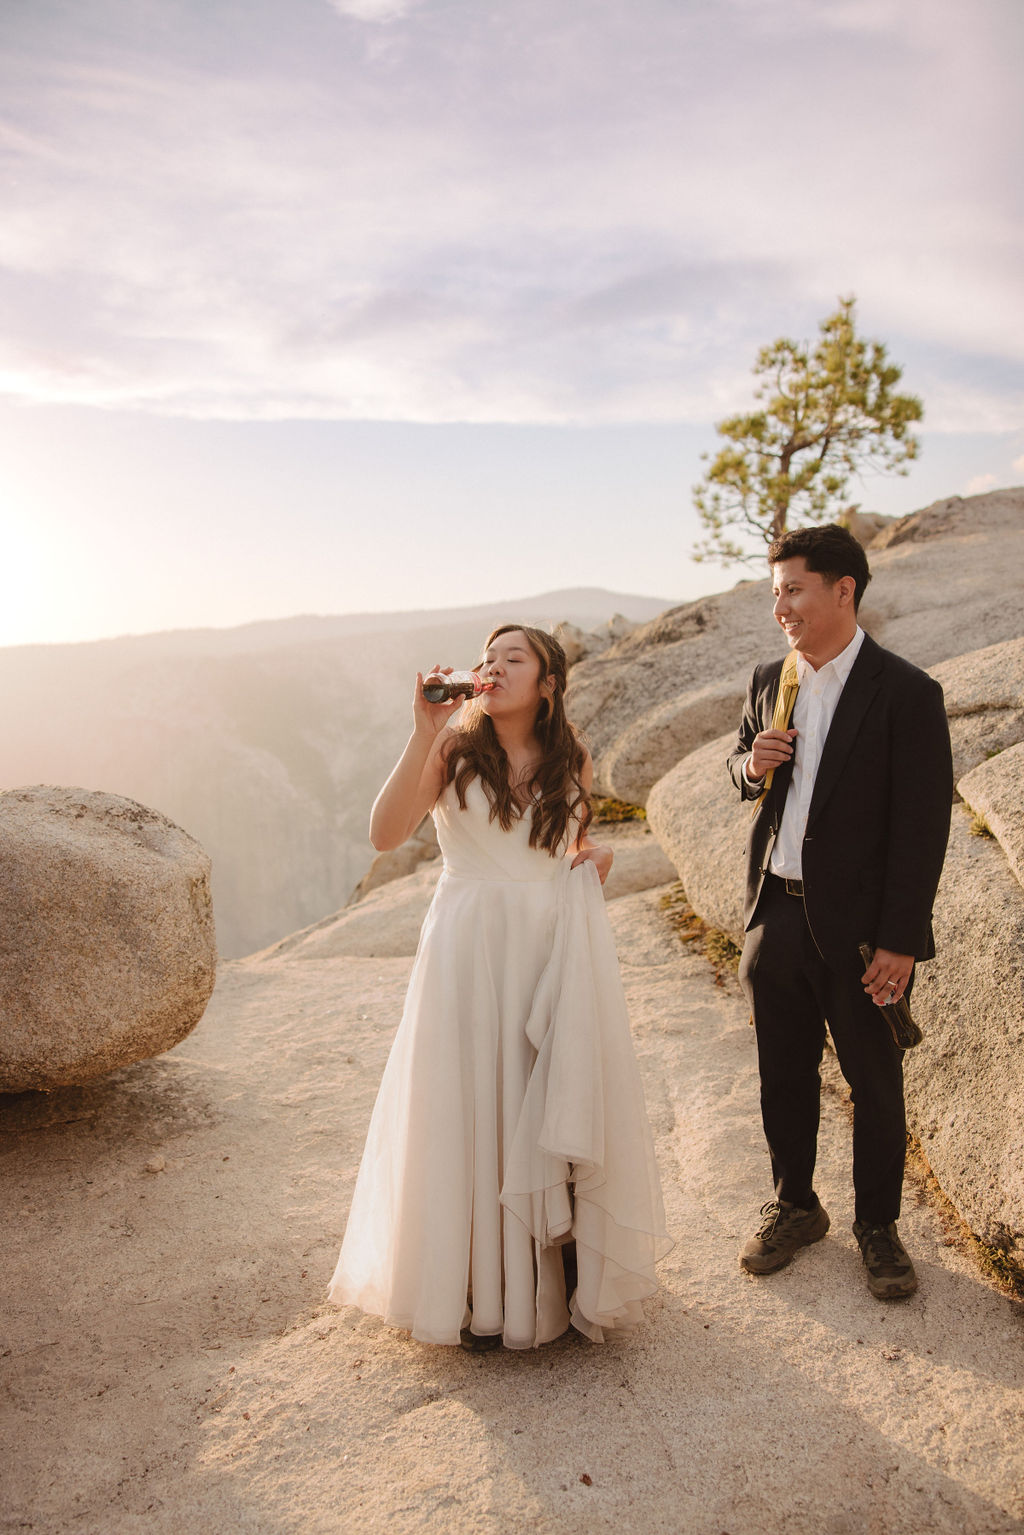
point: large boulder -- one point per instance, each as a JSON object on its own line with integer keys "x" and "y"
{"x": 984, "y": 692}
{"x": 651, "y": 745}
{"x": 965, "y": 1088}
{"x": 697, "y": 815}
{"x": 995, "y": 792}
{"x": 107, "y": 947}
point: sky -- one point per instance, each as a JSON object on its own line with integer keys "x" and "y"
{"x": 326, "y": 306}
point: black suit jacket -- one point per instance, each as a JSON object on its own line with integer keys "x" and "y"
{"x": 879, "y": 814}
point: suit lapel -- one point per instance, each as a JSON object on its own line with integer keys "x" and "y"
{"x": 854, "y": 702}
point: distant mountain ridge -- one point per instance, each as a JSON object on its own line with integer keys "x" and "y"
{"x": 585, "y": 606}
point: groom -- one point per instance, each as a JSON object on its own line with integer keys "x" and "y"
{"x": 848, "y": 837}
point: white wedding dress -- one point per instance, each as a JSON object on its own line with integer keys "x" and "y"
{"x": 510, "y": 1118}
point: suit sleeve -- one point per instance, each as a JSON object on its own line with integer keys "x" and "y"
{"x": 921, "y": 797}
{"x": 750, "y": 726}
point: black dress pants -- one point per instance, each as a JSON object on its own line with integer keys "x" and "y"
{"x": 792, "y": 992}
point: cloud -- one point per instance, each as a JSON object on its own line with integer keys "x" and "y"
{"x": 979, "y": 483}
{"x": 1018, "y": 464}
{"x": 535, "y": 212}
{"x": 373, "y": 10}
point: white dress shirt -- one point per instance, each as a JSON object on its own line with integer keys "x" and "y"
{"x": 812, "y": 715}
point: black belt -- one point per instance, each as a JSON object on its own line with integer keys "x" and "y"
{"x": 791, "y": 886}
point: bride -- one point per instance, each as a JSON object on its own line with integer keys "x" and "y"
{"x": 509, "y": 1146}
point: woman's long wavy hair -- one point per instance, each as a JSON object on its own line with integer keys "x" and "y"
{"x": 560, "y": 805}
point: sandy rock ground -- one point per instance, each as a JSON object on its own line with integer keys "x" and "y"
{"x": 169, "y": 1364}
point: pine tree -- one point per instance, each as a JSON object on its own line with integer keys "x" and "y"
{"x": 826, "y": 414}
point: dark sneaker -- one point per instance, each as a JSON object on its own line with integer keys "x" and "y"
{"x": 890, "y": 1272}
{"x": 784, "y": 1229}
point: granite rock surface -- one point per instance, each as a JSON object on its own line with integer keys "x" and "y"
{"x": 994, "y": 790}
{"x": 964, "y": 1086}
{"x": 107, "y": 946}
{"x": 697, "y": 815}
{"x": 984, "y": 694}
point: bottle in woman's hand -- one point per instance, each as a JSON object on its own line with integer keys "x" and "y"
{"x": 441, "y": 687}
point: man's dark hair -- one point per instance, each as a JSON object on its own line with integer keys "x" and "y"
{"x": 830, "y": 552}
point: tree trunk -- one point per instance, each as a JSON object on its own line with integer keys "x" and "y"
{"x": 781, "y": 508}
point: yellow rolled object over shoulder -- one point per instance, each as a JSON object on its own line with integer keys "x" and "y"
{"x": 785, "y": 699}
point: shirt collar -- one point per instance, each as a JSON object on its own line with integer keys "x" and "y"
{"x": 841, "y": 665}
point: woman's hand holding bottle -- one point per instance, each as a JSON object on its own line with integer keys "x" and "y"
{"x": 441, "y": 691}
{"x": 416, "y": 778}
{"x": 431, "y": 717}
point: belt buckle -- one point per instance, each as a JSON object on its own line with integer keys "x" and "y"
{"x": 795, "y": 887}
